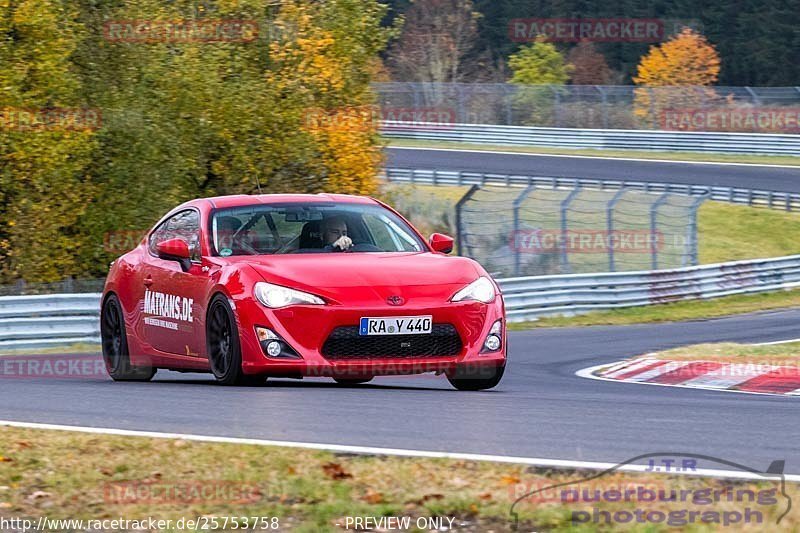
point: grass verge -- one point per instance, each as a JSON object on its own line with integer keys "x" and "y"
{"x": 84, "y": 476}
{"x": 636, "y": 154}
{"x": 673, "y": 312}
{"x": 728, "y": 232}
{"x": 730, "y": 352}
{"x": 75, "y": 349}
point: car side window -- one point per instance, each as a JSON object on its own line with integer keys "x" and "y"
{"x": 388, "y": 235}
{"x": 183, "y": 225}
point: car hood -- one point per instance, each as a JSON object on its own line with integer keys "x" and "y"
{"x": 369, "y": 277}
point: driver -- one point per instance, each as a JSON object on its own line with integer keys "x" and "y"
{"x": 334, "y": 234}
{"x": 226, "y": 231}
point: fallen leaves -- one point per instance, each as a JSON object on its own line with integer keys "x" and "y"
{"x": 335, "y": 471}
{"x": 373, "y": 497}
{"x": 427, "y": 498}
{"x": 509, "y": 480}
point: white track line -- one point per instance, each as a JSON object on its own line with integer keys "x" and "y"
{"x": 645, "y": 160}
{"x": 588, "y": 373}
{"x": 556, "y": 463}
{"x": 775, "y": 342}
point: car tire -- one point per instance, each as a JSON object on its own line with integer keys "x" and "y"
{"x": 352, "y": 381}
{"x": 114, "y": 341}
{"x": 475, "y": 380}
{"x": 223, "y": 347}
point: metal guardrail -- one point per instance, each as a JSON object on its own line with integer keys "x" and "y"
{"x": 659, "y": 140}
{"x": 39, "y": 321}
{"x": 534, "y": 297}
{"x": 737, "y": 195}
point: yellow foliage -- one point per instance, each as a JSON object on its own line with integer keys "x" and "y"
{"x": 346, "y": 139}
{"x": 305, "y": 58}
{"x": 687, "y": 59}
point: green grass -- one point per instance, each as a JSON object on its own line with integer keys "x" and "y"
{"x": 735, "y": 353}
{"x": 79, "y": 348}
{"x": 636, "y": 154}
{"x": 729, "y": 232}
{"x": 62, "y": 474}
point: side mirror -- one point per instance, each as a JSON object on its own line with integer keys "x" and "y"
{"x": 175, "y": 250}
{"x": 441, "y": 243}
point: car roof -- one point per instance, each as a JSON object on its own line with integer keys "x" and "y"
{"x": 239, "y": 200}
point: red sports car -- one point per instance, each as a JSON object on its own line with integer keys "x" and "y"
{"x": 286, "y": 285}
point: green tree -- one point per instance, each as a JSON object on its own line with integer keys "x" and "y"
{"x": 195, "y": 119}
{"x": 540, "y": 71}
{"x": 44, "y": 183}
{"x": 539, "y": 63}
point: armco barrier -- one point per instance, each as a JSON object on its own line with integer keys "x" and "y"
{"x": 45, "y": 320}
{"x": 39, "y": 321}
{"x": 533, "y": 297}
{"x": 737, "y": 195}
{"x": 686, "y": 141}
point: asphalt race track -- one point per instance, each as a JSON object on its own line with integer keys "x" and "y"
{"x": 540, "y": 410}
{"x": 783, "y": 179}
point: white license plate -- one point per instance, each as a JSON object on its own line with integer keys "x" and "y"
{"x": 396, "y": 325}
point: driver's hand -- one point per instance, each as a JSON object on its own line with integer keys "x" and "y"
{"x": 343, "y": 243}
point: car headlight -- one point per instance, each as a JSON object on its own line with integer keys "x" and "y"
{"x": 482, "y": 290}
{"x": 275, "y": 296}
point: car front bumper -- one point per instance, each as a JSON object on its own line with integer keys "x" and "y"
{"x": 306, "y": 328}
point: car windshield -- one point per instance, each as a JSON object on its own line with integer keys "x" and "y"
{"x": 310, "y": 228}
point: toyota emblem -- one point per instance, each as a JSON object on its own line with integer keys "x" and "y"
{"x": 395, "y": 300}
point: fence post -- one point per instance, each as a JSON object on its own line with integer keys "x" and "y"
{"x": 653, "y": 226}
{"x": 604, "y": 105}
{"x": 610, "y": 226}
{"x": 515, "y": 235}
{"x": 556, "y": 105}
{"x": 692, "y": 229}
{"x": 507, "y": 96}
{"x": 564, "y": 206}
{"x": 459, "y": 223}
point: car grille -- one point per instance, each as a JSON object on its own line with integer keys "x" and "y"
{"x": 345, "y": 343}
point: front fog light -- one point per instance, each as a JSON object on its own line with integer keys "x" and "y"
{"x": 493, "y": 341}
{"x": 274, "y": 346}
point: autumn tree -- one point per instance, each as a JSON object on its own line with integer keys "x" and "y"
{"x": 589, "y": 66}
{"x": 676, "y": 74}
{"x": 540, "y": 71}
{"x": 179, "y": 118}
{"x": 437, "y": 36}
{"x": 46, "y": 142}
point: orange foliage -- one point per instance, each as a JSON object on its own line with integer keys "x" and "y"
{"x": 687, "y": 59}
